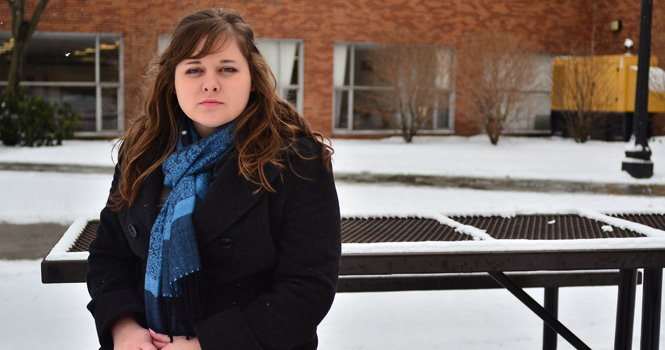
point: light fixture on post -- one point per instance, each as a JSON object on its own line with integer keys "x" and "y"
{"x": 628, "y": 45}
{"x": 616, "y": 25}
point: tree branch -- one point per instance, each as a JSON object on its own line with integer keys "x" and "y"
{"x": 36, "y": 16}
{"x": 17, "y": 15}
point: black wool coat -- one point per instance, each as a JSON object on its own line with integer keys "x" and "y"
{"x": 271, "y": 260}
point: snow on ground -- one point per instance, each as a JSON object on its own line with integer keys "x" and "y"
{"x": 42, "y": 316}
{"x": 31, "y": 197}
{"x": 71, "y": 152}
{"x": 34, "y": 315}
{"x": 53, "y": 316}
{"x": 467, "y": 319}
{"x": 359, "y": 199}
{"x": 514, "y": 157}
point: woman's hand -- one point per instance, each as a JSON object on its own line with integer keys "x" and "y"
{"x": 129, "y": 335}
{"x": 162, "y": 341}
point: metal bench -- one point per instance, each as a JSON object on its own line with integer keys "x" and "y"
{"x": 470, "y": 252}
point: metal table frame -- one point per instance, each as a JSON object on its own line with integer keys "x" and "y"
{"x": 496, "y": 263}
{"x": 493, "y": 258}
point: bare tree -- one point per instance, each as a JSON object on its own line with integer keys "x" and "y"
{"x": 582, "y": 91}
{"x": 22, "y": 30}
{"x": 495, "y": 73}
{"x": 415, "y": 80}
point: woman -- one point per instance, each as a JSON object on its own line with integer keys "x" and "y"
{"x": 222, "y": 229}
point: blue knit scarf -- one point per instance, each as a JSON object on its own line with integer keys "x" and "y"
{"x": 173, "y": 295}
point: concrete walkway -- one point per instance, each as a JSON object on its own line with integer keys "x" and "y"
{"x": 60, "y": 168}
{"x": 32, "y": 241}
{"x": 500, "y": 184}
{"x": 507, "y": 184}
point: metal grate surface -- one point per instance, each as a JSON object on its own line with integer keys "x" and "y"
{"x": 372, "y": 230}
{"x": 85, "y": 238}
{"x": 653, "y": 220}
{"x": 550, "y": 227}
{"x": 532, "y": 227}
{"x": 354, "y": 230}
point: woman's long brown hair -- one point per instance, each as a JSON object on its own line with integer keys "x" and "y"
{"x": 267, "y": 127}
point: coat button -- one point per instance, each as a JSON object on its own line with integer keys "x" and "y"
{"x": 132, "y": 230}
{"x": 226, "y": 242}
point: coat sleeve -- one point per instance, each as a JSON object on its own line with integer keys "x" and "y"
{"x": 305, "y": 279}
{"x": 111, "y": 276}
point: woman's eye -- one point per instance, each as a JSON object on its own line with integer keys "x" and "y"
{"x": 193, "y": 71}
{"x": 228, "y": 69}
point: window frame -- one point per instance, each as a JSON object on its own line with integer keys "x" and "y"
{"x": 351, "y": 88}
{"x": 97, "y": 83}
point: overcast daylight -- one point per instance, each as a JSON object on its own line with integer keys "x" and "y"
{"x": 332, "y": 175}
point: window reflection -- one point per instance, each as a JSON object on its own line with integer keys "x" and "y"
{"x": 370, "y": 111}
{"x": 63, "y": 67}
{"x": 60, "y": 58}
{"x": 363, "y": 101}
{"x": 82, "y": 100}
{"x": 109, "y": 109}
{"x": 109, "y": 59}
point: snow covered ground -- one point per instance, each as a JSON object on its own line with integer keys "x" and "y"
{"x": 33, "y": 315}
{"x": 514, "y": 157}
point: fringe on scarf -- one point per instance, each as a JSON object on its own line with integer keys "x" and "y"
{"x": 181, "y": 311}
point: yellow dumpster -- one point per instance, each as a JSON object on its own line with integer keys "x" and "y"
{"x": 615, "y": 78}
{"x": 605, "y": 84}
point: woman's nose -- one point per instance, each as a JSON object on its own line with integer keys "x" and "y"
{"x": 210, "y": 85}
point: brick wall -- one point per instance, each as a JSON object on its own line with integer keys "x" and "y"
{"x": 553, "y": 26}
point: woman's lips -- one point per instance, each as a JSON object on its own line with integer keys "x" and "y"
{"x": 211, "y": 103}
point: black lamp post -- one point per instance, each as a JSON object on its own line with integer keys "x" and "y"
{"x": 638, "y": 157}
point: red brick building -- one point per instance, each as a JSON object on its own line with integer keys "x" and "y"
{"x": 93, "y": 52}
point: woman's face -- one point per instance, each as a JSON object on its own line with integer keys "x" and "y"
{"x": 213, "y": 90}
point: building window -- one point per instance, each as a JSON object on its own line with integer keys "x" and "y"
{"x": 356, "y": 89}
{"x": 285, "y": 58}
{"x": 82, "y": 69}
{"x": 535, "y": 109}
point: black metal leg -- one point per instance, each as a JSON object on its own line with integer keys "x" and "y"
{"x": 651, "y": 304}
{"x": 623, "y": 337}
{"x": 527, "y": 300}
{"x": 552, "y": 306}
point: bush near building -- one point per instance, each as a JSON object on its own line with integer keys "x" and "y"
{"x": 33, "y": 121}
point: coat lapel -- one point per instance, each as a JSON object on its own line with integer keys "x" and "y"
{"x": 145, "y": 208}
{"x": 228, "y": 199}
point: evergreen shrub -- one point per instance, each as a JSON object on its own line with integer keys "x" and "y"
{"x": 32, "y": 121}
